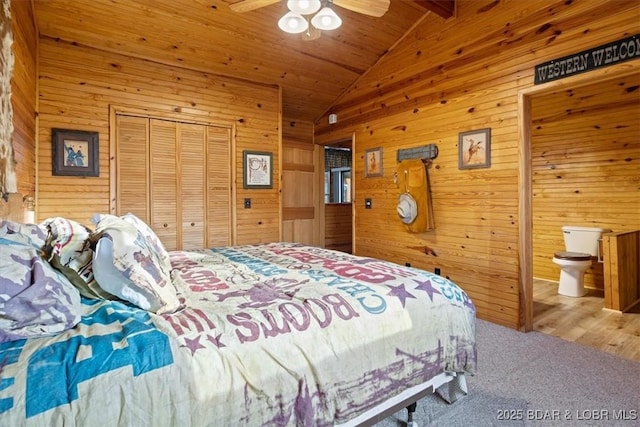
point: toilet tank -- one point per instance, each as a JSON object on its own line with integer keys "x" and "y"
{"x": 582, "y": 239}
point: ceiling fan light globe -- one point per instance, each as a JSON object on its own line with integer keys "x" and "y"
{"x": 304, "y": 7}
{"x": 293, "y": 23}
{"x": 326, "y": 19}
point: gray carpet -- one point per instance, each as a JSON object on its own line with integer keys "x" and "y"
{"x": 535, "y": 379}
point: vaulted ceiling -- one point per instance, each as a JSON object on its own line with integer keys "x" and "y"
{"x": 208, "y": 35}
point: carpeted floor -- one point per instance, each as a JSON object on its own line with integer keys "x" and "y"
{"x": 535, "y": 379}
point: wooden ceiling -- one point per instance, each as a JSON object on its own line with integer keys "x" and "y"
{"x": 207, "y": 35}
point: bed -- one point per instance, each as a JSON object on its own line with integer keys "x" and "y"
{"x": 274, "y": 334}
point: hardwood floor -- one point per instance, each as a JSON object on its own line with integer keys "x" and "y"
{"x": 584, "y": 321}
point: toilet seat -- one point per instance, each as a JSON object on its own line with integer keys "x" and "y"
{"x": 573, "y": 256}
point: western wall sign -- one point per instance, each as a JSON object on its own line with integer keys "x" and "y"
{"x": 587, "y": 60}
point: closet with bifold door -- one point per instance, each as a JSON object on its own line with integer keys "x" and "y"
{"x": 176, "y": 177}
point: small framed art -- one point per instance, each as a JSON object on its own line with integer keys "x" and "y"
{"x": 373, "y": 162}
{"x": 257, "y": 169}
{"x": 75, "y": 152}
{"x": 474, "y": 149}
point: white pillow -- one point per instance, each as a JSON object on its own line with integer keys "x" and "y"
{"x": 126, "y": 264}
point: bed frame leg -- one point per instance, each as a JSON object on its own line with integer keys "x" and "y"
{"x": 410, "y": 410}
{"x": 454, "y": 389}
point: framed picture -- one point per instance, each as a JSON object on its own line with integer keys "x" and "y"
{"x": 474, "y": 149}
{"x": 75, "y": 152}
{"x": 373, "y": 162}
{"x": 258, "y": 169}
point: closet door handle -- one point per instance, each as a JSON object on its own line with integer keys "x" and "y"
{"x": 165, "y": 225}
{"x": 193, "y": 224}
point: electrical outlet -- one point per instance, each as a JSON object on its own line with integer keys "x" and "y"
{"x": 408, "y": 264}
{"x": 247, "y": 203}
{"x": 437, "y": 271}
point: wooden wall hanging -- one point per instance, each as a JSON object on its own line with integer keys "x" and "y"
{"x": 413, "y": 179}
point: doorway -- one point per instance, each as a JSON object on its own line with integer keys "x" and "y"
{"x": 337, "y": 197}
{"x": 526, "y": 175}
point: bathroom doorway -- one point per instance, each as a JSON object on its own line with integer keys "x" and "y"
{"x": 338, "y": 196}
{"x": 542, "y": 308}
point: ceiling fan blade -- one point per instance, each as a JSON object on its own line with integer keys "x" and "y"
{"x": 249, "y": 5}
{"x": 375, "y": 8}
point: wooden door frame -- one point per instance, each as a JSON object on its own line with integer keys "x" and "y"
{"x": 350, "y": 137}
{"x": 525, "y": 200}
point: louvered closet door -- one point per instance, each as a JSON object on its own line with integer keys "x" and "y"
{"x": 192, "y": 183}
{"x": 177, "y": 178}
{"x": 164, "y": 197}
{"x": 132, "y": 166}
{"x": 219, "y": 187}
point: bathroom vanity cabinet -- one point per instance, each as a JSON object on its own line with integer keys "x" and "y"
{"x": 621, "y": 256}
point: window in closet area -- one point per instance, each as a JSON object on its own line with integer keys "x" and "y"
{"x": 337, "y": 175}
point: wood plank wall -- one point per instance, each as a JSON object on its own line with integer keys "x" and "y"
{"x": 585, "y": 150}
{"x": 77, "y": 87}
{"x": 448, "y": 77}
{"x": 23, "y": 94}
{"x": 338, "y": 226}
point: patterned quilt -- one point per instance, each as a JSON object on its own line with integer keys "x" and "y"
{"x": 270, "y": 335}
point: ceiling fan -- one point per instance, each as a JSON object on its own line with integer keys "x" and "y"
{"x": 375, "y": 8}
{"x": 299, "y": 20}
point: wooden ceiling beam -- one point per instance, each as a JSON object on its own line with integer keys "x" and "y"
{"x": 443, "y": 8}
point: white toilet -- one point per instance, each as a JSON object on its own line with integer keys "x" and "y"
{"x": 581, "y": 248}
